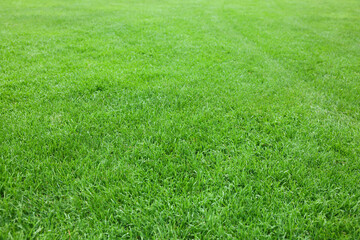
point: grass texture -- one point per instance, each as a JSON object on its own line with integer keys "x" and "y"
{"x": 166, "y": 119}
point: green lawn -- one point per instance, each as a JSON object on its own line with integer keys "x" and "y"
{"x": 169, "y": 119}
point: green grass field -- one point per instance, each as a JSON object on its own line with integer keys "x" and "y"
{"x": 168, "y": 119}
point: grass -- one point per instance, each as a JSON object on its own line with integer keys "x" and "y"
{"x": 180, "y": 119}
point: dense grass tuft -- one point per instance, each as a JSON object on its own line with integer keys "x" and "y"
{"x": 180, "y": 119}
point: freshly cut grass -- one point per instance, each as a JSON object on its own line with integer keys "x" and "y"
{"x": 180, "y": 119}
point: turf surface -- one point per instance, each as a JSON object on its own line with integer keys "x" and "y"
{"x": 201, "y": 119}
